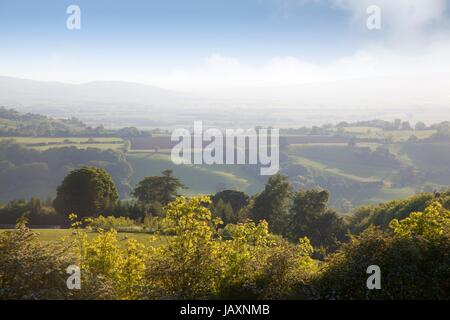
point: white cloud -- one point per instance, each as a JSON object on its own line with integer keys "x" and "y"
{"x": 414, "y": 44}
{"x": 403, "y": 21}
{"x": 218, "y": 71}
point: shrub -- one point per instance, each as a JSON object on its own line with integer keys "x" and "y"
{"x": 120, "y": 224}
{"x": 30, "y": 269}
{"x": 414, "y": 260}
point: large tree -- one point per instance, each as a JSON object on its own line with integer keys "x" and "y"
{"x": 87, "y": 191}
{"x": 229, "y": 205}
{"x": 162, "y": 189}
{"x": 273, "y": 204}
{"x": 236, "y": 199}
{"x": 313, "y": 219}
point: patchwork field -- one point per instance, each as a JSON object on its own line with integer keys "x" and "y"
{"x": 395, "y": 135}
{"x": 343, "y": 159}
{"x": 200, "y": 179}
{"x": 367, "y": 170}
{"x": 44, "y": 143}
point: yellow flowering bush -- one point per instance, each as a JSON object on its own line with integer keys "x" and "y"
{"x": 430, "y": 224}
{"x": 201, "y": 261}
{"x": 198, "y": 261}
{"x": 102, "y": 259}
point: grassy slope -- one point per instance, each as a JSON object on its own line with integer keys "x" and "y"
{"x": 397, "y": 135}
{"x": 200, "y": 179}
{"x": 341, "y": 159}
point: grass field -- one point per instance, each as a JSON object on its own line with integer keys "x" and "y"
{"x": 396, "y": 135}
{"x": 340, "y": 159}
{"x": 331, "y": 158}
{"x": 53, "y": 235}
{"x": 200, "y": 179}
{"x": 103, "y": 143}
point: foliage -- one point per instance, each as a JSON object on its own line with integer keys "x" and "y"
{"x": 86, "y": 191}
{"x": 228, "y": 205}
{"x": 311, "y": 218}
{"x": 236, "y": 199}
{"x": 111, "y": 222}
{"x": 381, "y": 215}
{"x": 36, "y": 211}
{"x": 30, "y": 269}
{"x": 109, "y": 271}
{"x": 162, "y": 189}
{"x": 414, "y": 260}
{"x": 201, "y": 260}
{"x": 431, "y": 224}
{"x": 186, "y": 267}
{"x": 273, "y": 203}
{"x": 26, "y": 173}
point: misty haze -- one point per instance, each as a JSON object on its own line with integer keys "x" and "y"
{"x": 108, "y": 189}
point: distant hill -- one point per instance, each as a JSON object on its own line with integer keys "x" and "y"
{"x": 26, "y": 93}
{"x": 14, "y": 123}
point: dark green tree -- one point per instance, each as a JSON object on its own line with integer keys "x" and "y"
{"x": 273, "y": 204}
{"x": 87, "y": 191}
{"x": 224, "y": 211}
{"x": 411, "y": 268}
{"x": 162, "y": 189}
{"x": 311, "y": 218}
{"x": 237, "y": 199}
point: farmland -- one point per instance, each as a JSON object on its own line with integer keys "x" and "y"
{"x": 45, "y": 143}
{"x": 200, "y": 179}
{"x": 365, "y": 162}
{"x": 55, "y": 235}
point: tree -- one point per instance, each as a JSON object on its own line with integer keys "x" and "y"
{"x": 431, "y": 224}
{"x": 30, "y": 270}
{"x": 414, "y": 260}
{"x": 406, "y": 126}
{"x": 87, "y": 191}
{"x": 311, "y": 218}
{"x": 225, "y": 212}
{"x": 237, "y": 199}
{"x": 273, "y": 204}
{"x": 162, "y": 189}
{"x": 420, "y": 126}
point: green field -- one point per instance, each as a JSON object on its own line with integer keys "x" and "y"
{"x": 341, "y": 159}
{"x": 44, "y": 143}
{"x": 53, "y": 235}
{"x": 329, "y": 164}
{"x": 200, "y": 179}
{"x": 395, "y": 135}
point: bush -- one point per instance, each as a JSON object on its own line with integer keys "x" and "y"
{"x": 120, "y": 224}
{"x": 241, "y": 261}
{"x": 30, "y": 269}
{"x": 198, "y": 263}
{"x": 414, "y": 260}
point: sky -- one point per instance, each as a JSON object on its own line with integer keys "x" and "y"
{"x": 197, "y": 45}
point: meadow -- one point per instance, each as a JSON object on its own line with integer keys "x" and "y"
{"x": 45, "y": 143}
{"x": 55, "y": 235}
{"x": 200, "y": 179}
{"x": 327, "y": 155}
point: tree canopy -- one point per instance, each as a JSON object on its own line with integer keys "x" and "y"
{"x": 162, "y": 189}
{"x": 87, "y": 192}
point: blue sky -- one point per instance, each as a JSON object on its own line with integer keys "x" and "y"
{"x": 179, "y": 29}
{"x": 132, "y": 39}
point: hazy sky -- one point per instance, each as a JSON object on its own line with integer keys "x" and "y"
{"x": 201, "y": 44}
